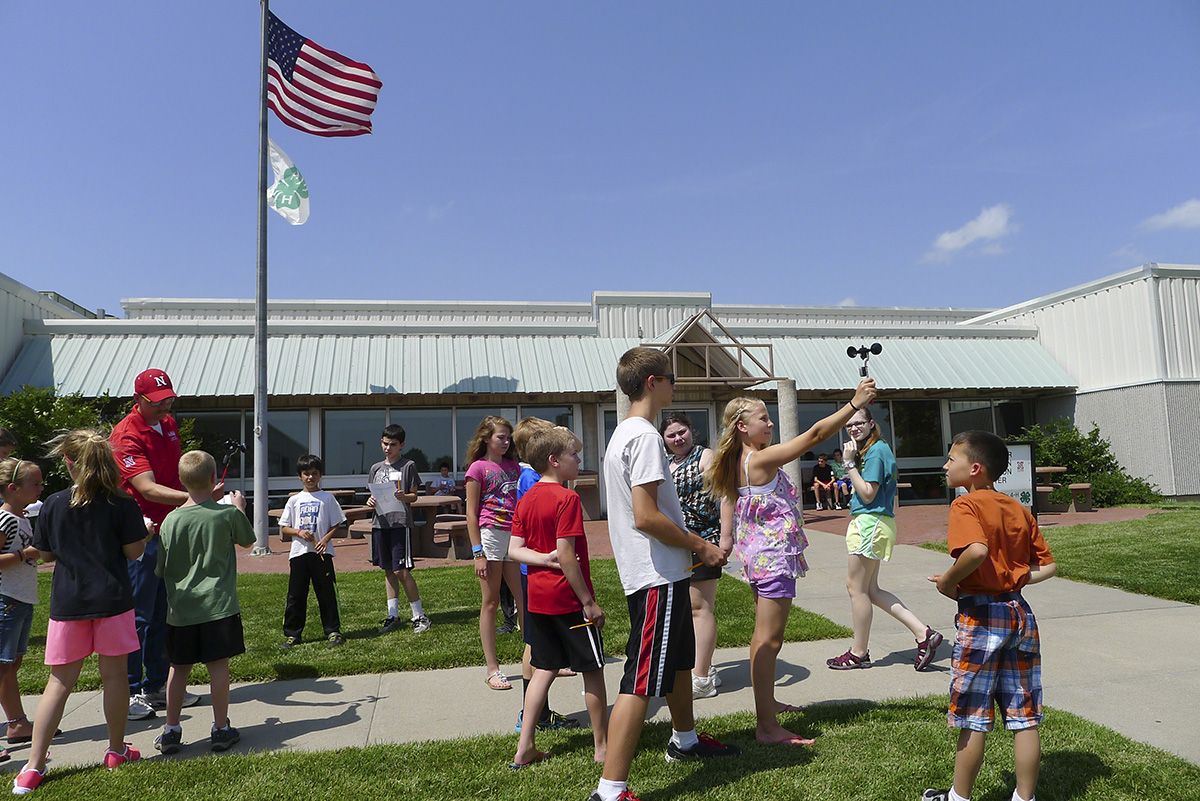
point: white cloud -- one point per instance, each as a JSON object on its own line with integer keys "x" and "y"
{"x": 438, "y": 212}
{"x": 847, "y": 302}
{"x": 1129, "y": 256}
{"x": 1185, "y": 215}
{"x": 992, "y": 224}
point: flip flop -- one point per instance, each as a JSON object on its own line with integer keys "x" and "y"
{"x": 539, "y": 756}
{"x": 566, "y": 673}
{"x": 27, "y": 739}
{"x": 787, "y": 708}
{"x": 502, "y": 684}
{"x": 795, "y": 740}
{"x": 4, "y": 755}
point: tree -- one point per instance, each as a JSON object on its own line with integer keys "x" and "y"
{"x": 1088, "y": 459}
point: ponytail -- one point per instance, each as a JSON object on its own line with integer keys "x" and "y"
{"x": 721, "y": 479}
{"x": 95, "y": 466}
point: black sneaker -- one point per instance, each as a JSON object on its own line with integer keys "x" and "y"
{"x": 508, "y": 628}
{"x": 335, "y": 640}
{"x": 936, "y": 795}
{"x": 168, "y": 742}
{"x": 556, "y": 721}
{"x": 706, "y": 748}
{"x": 389, "y": 624}
{"x": 289, "y": 642}
{"x": 224, "y": 739}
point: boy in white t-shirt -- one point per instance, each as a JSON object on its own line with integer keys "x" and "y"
{"x": 311, "y": 518}
{"x": 653, "y": 550}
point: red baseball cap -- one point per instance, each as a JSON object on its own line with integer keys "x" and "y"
{"x": 153, "y": 385}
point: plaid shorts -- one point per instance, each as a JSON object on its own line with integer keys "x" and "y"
{"x": 997, "y": 661}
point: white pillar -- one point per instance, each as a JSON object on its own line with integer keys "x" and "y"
{"x": 623, "y": 405}
{"x": 789, "y": 424}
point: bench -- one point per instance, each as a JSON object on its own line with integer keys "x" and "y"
{"x": 457, "y": 539}
{"x": 1081, "y": 497}
{"x": 1043, "y": 504}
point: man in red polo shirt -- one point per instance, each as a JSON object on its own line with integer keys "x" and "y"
{"x": 147, "y": 447}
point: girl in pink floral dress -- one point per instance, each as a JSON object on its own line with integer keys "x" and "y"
{"x": 768, "y": 532}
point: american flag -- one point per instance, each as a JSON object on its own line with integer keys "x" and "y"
{"x": 316, "y": 90}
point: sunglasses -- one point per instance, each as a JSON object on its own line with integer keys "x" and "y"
{"x": 669, "y": 376}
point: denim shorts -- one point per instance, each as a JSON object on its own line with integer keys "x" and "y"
{"x": 16, "y": 618}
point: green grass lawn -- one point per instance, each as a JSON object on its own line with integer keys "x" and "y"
{"x": 885, "y": 752}
{"x": 451, "y": 599}
{"x": 1153, "y": 556}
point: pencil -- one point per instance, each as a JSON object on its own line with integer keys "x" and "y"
{"x": 581, "y": 625}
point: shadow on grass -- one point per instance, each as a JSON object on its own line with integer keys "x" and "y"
{"x": 1064, "y": 775}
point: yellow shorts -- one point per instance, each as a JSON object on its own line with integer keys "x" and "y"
{"x": 871, "y": 535}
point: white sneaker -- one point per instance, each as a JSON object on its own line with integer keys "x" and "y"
{"x": 139, "y": 707}
{"x": 820, "y": 508}
{"x": 158, "y": 699}
{"x": 712, "y": 674}
{"x": 421, "y": 624}
{"x": 703, "y": 687}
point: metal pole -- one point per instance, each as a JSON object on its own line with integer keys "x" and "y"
{"x": 262, "y": 546}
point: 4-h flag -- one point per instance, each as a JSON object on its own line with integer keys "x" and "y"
{"x": 289, "y": 194}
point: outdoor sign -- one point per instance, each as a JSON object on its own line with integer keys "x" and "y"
{"x": 1018, "y": 481}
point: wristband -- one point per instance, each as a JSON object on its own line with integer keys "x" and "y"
{"x": 852, "y": 406}
{"x": 477, "y": 549}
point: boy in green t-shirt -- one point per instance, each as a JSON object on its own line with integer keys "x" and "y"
{"x": 198, "y": 565}
{"x": 841, "y": 482}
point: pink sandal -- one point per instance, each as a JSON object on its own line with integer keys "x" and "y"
{"x": 848, "y": 661}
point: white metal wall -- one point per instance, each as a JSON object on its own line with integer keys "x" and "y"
{"x": 465, "y": 312}
{"x": 736, "y": 316}
{"x": 1179, "y": 299}
{"x": 19, "y": 303}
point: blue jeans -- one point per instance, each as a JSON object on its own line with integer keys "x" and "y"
{"x": 150, "y": 619}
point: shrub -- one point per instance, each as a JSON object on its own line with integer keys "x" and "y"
{"x": 1088, "y": 458}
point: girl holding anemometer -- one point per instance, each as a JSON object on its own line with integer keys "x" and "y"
{"x": 491, "y": 484}
{"x": 92, "y": 529}
{"x": 768, "y": 532}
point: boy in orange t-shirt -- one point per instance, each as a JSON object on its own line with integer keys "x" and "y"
{"x": 998, "y": 549}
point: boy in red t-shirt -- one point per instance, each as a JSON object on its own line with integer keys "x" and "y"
{"x": 564, "y": 620}
{"x": 998, "y": 549}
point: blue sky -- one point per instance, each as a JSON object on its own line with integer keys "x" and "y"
{"x": 868, "y": 153}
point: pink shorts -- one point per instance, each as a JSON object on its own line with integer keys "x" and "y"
{"x": 69, "y": 641}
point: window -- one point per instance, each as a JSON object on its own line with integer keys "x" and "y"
{"x": 469, "y": 419}
{"x": 351, "y": 440}
{"x": 1010, "y": 418}
{"x": 918, "y": 427}
{"x": 970, "y": 416}
{"x": 215, "y": 430}
{"x": 559, "y": 415}
{"x": 429, "y": 437}
{"x": 287, "y": 441}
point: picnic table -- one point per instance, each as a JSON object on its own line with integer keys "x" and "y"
{"x": 1046, "y": 474}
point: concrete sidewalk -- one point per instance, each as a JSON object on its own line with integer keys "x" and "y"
{"x": 1128, "y": 662}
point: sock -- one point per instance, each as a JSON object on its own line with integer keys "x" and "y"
{"x": 684, "y": 739}
{"x": 956, "y": 797}
{"x": 169, "y": 727}
{"x": 416, "y": 608}
{"x": 1016, "y": 797}
{"x": 393, "y": 607}
{"x": 610, "y": 791}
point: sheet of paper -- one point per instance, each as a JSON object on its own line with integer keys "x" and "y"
{"x": 385, "y": 497}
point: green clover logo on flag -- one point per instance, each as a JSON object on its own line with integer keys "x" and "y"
{"x": 290, "y": 190}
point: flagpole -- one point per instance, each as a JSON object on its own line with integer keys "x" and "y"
{"x": 262, "y": 545}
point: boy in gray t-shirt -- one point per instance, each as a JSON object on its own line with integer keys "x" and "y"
{"x": 391, "y": 537}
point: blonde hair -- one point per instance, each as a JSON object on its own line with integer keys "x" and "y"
{"x": 96, "y": 471}
{"x": 526, "y": 428}
{"x": 721, "y": 479}
{"x": 13, "y": 471}
{"x": 548, "y": 442}
{"x": 477, "y": 449}
{"x": 196, "y": 469}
